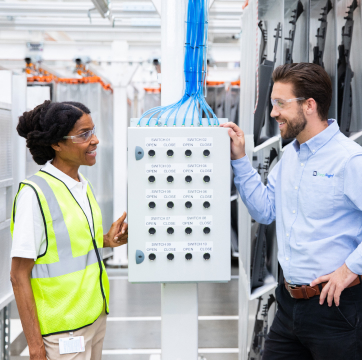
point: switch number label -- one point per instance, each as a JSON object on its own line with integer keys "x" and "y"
{"x": 203, "y": 220}
{"x": 179, "y": 194}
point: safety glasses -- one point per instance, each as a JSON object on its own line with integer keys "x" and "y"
{"x": 281, "y": 104}
{"x": 83, "y": 137}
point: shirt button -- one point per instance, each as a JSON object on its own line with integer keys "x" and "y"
{"x": 293, "y": 211}
{"x": 296, "y": 188}
{"x": 287, "y": 234}
{"x": 289, "y": 281}
{"x": 287, "y": 258}
{"x": 313, "y": 151}
{"x": 301, "y": 164}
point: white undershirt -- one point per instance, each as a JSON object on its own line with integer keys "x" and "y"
{"x": 29, "y": 239}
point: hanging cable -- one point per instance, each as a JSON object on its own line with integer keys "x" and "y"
{"x": 195, "y": 70}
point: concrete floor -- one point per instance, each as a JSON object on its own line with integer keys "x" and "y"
{"x": 140, "y": 338}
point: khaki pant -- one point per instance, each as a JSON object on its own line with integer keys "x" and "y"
{"x": 93, "y": 341}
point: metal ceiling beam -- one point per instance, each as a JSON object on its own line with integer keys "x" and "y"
{"x": 123, "y": 9}
{"x": 126, "y": 25}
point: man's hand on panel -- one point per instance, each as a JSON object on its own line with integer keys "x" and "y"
{"x": 237, "y": 140}
{"x": 337, "y": 282}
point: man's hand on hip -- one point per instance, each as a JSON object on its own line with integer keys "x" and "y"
{"x": 237, "y": 140}
{"x": 337, "y": 282}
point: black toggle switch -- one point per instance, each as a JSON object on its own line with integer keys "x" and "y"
{"x": 170, "y": 179}
{"x": 188, "y": 204}
{"x": 152, "y": 205}
{"x": 152, "y": 153}
{"x": 188, "y": 153}
{"x": 188, "y": 256}
{"x": 206, "y": 152}
{"x": 207, "y": 230}
{"x": 170, "y": 204}
{"x": 188, "y": 178}
{"x": 170, "y": 256}
{"x": 152, "y": 257}
{"x": 170, "y": 230}
{"x": 206, "y": 256}
{"x": 151, "y": 179}
{"x": 152, "y": 231}
{"x": 170, "y": 153}
{"x": 206, "y": 204}
{"x": 188, "y": 230}
{"x": 207, "y": 178}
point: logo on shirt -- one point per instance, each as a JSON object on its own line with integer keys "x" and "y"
{"x": 316, "y": 173}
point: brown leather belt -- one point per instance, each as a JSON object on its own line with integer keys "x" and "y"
{"x": 306, "y": 291}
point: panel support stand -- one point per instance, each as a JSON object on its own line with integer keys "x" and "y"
{"x": 179, "y": 310}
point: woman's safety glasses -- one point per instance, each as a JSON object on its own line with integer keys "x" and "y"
{"x": 281, "y": 104}
{"x": 83, "y": 137}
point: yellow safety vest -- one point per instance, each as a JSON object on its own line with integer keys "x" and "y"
{"x": 69, "y": 281}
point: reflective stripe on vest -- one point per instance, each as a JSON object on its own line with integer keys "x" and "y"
{"x": 67, "y": 263}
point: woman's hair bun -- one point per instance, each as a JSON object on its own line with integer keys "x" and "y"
{"x": 47, "y": 124}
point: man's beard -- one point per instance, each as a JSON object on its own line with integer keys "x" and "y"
{"x": 293, "y": 127}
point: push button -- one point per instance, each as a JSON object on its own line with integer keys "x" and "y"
{"x": 206, "y": 152}
{"x": 152, "y": 231}
{"x": 188, "y": 178}
{"x": 206, "y": 204}
{"x": 170, "y": 179}
{"x": 170, "y": 256}
{"x": 188, "y": 256}
{"x": 207, "y": 178}
{"x": 188, "y": 204}
{"x": 170, "y": 204}
{"x": 152, "y": 205}
{"x": 170, "y": 230}
{"x": 151, "y": 179}
{"x": 170, "y": 153}
{"x": 152, "y": 153}
{"x": 207, "y": 256}
{"x": 188, "y": 230}
{"x": 152, "y": 257}
{"x": 188, "y": 153}
{"x": 206, "y": 230}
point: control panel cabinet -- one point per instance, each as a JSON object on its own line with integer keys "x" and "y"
{"x": 178, "y": 204}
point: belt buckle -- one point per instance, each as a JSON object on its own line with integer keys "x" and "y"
{"x": 289, "y": 287}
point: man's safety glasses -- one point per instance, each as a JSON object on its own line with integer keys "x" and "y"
{"x": 281, "y": 104}
{"x": 83, "y": 137}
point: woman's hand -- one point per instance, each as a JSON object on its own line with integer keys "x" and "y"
{"x": 117, "y": 234}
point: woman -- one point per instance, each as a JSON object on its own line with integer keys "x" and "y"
{"x": 58, "y": 276}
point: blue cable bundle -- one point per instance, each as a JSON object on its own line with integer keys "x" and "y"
{"x": 195, "y": 69}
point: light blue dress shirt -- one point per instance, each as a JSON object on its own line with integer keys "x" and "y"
{"x": 315, "y": 194}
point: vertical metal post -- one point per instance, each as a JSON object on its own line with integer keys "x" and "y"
{"x": 179, "y": 302}
{"x": 5, "y": 333}
{"x": 120, "y": 125}
{"x": 246, "y": 122}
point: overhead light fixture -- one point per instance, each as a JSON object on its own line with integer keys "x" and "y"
{"x": 104, "y": 8}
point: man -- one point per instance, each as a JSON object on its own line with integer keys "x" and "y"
{"x": 315, "y": 194}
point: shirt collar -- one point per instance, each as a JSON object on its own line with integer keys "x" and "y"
{"x": 316, "y": 142}
{"x": 67, "y": 180}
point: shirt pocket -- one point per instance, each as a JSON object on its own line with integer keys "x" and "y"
{"x": 318, "y": 201}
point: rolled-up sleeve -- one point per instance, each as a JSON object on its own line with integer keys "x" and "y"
{"x": 258, "y": 198}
